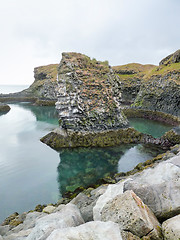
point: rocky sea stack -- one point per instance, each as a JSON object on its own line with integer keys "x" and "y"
{"x": 88, "y": 99}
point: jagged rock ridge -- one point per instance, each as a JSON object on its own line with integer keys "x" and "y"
{"x": 88, "y": 96}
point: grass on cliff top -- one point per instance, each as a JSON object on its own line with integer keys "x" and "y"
{"x": 164, "y": 70}
{"x": 132, "y": 71}
{"x": 136, "y": 67}
{"x": 50, "y": 70}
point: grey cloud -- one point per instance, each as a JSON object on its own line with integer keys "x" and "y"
{"x": 36, "y": 32}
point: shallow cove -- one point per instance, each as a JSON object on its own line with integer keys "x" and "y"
{"x": 32, "y": 173}
{"x": 155, "y": 128}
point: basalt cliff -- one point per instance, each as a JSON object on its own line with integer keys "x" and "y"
{"x": 160, "y": 88}
{"x": 94, "y": 100}
{"x": 88, "y": 96}
{"x": 42, "y": 91}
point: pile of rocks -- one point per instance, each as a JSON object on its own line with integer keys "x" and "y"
{"x": 145, "y": 205}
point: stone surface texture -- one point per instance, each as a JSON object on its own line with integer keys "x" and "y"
{"x": 160, "y": 89}
{"x": 159, "y": 187}
{"x": 89, "y": 231}
{"x": 132, "y": 215}
{"x": 130, "y": 77}
{"x": 69, "y": 216}
{"x": 112, "y": 191}
{"x": 85, "y": 203}
{"x": 171, "y": 228}
{"x": 88, "y": 96}
{"x": 49, "y": 209}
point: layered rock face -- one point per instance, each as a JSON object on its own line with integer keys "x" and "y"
{"x": 43, "y": 89}
{"x": 4, "y": 108}
{"x": 45, "y": 84}
{"x": 130, "y": 78}
{"x": 160, "y": 90}
{"x": 88, "y": 96}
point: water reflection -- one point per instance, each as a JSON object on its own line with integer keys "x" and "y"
{"x": 83, "y": 167}
{"x": 46, "y": 114}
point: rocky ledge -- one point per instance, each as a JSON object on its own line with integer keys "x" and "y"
{"x": 42, "y": 91}
{"x": 60, "y": 138}
{"x": 4, "y": 108}
{"x": 145, "y": 206}
{"x": 160, "y": 89}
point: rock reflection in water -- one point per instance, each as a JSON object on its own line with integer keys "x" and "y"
{"x": 46, "y": 114}
{"x": 83, "y": 167}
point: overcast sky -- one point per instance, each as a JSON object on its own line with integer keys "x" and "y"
{"x": 36, "y": 32}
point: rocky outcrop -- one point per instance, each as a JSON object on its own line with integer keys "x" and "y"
{"x": 115, "y": 209}
{"x": 160, "y": 90}
{"x": 131, "y": 112}
{"x": 172, "y": 58}
{"x": 132, "y": 215}
{"x": 43, "y": 89}
{"x": 171, "y": 228}
{"x": 89, "y": 231}
{"x": 4, "y": 108}
{"x": 88, "y": 97}
{"x": 159, "y": 188}
{"x": 130, "y": 77}
{"x": 61, "y": 139}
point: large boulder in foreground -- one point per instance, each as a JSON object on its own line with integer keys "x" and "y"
{"x": 171, "y": 228}
{"x": 159, "y": 187}
{"x": 69, "y": 216}
{"x": 132, "y": 215}
{"x": 88, "y": 231}
{"x": 88, "y": 96}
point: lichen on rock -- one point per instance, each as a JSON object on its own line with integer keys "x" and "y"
{"x": 87, "y": 94}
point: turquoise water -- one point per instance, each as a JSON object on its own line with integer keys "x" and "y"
{"x": 31, "y": 173}
{"x": 156, "y": 129}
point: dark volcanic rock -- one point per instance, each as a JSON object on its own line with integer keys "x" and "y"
{"x": 160, "y": 90}
{"x": 172, "y": 58}
{"x": 130, "y": 77}
{"x": 43, "y": 89}
{"x": 88, "y": 97}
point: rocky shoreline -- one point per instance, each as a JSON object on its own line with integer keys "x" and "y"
{"x": 142, "y": 205}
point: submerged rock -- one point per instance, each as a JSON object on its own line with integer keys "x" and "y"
{"x": 4, "y": 108}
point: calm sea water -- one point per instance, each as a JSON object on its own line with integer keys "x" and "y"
{"x": 12, "y": 88}
{"x": 156, "y": 129}
{"x": 31, "y": 173}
